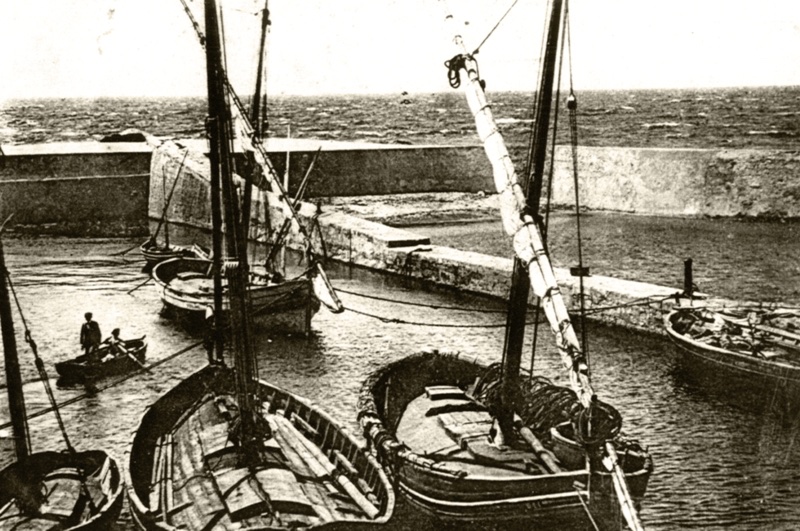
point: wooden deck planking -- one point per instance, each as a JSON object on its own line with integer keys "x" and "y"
{"x": 300, "y": 490}
{"x": 240, "y": 496}
{"x": 63, "y": 495}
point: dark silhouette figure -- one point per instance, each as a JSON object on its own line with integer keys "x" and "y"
{"x": 90, "y": 337}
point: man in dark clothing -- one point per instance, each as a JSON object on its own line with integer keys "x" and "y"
{"x": 90, "y": 337}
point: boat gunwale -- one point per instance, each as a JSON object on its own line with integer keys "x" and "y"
{"x": 113, "y": 502}
{"x": 370, "y": 470}
{"x": 684, "y": 342}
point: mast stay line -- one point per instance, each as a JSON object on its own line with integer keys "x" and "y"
{"x": 520, "y": 225}
{"x": 246, "y": 137}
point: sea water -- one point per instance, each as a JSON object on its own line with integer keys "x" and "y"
{"x": 721, "y": 462}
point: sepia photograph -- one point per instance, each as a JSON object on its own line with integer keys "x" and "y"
{"x": 399, "y": 265}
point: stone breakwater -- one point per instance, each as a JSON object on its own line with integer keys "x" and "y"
{"x": 359, "y": 242}
{"x": 752, "y": 183}
{"x": 102, "y": 189}
{"x": 76, "y": 188}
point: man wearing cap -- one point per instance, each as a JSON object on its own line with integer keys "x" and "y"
{"x": 90, "y": 337}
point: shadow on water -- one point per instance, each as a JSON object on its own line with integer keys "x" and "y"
{"x": 729, "y": 390}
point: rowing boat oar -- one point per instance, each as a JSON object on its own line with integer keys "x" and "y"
{"x": 140, "y": 285}
{"x": 139, "y": 363}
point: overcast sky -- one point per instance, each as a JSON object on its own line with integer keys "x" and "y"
{"x": 92, "y": 48}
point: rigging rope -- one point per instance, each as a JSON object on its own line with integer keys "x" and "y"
{"x": 572, "y": 107}
{"x": 52, "y": 399}
{"x": 40, "y": 366}
{"x": 109, "y": 385}
{"x": 642, "y": 301}
{"x": 423, "y": 305}
{"x": 495, "y": 27}
{"x": 394, "y": 320}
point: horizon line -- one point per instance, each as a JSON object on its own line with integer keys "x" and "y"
{"x": 385, "y": 93}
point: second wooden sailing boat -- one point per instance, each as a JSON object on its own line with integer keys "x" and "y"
{"x": 224, "y": 450}
{"x": 477, "y": 445}
{"x": 186, "y": 285}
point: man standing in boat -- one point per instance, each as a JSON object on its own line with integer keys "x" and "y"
{"x": 90, "y": 337}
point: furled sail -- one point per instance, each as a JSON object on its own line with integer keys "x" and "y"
{"x": 527, "y": 239}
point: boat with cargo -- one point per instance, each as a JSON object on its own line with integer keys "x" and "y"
{"x": 491, "y": 445}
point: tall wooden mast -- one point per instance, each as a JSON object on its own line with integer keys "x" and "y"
{"x": 16, "y": 400}
{"x": 235, "y": 263}
{"x": 518, "y": 221}
{"x": 214, "y": 132}
{"x": 520, "y": 284}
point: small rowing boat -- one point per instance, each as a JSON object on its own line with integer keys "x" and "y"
{"x": 81, "y": 369}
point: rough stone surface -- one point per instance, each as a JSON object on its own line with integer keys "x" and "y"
{"x": 682, "y": 182}
{"x": 353, "y": 240}
{"x": 76, "y": 190}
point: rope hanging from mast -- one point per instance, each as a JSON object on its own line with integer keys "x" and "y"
{"x": 50, "y": 396}
{"x": 572, "y": 108}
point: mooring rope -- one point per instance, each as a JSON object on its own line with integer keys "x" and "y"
{"x": 395, "y": 320}
{"x": 420, "y": 304}
{"x": 642, "y": 301}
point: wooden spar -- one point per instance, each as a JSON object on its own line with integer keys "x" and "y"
{"x": 245, "y": 134}
{"x": 163, "y": 220}
{"x": 255, "y": 115}
{"x": 214, "y": 131}
{"x": 319, "y": 462}
{"x": 547, "y": 457}
{"x": 520, "y": 225}
{"x": 621, "y": 487}
{"x": 256, "y": 121}
{"x": 16, "y": 399}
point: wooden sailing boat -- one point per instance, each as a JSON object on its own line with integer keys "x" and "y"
{"x": 185, "y": 285}
{"x": 50, "y": 490}
{"x": 223, "y": 450}
{"x": 477, "y": 445}
{"x": 753, "y": 349}
{"x": 155, "y": 252}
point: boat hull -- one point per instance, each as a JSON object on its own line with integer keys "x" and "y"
{"x": 175, "y": 410}
{"x": 186, "y": 289}
{"x": 438, "y": 485}
{"x": 79, "y": 370}
{"x": 155, "y": 254}
{"x": 743, "y": 370}
{"x": 104, "y": 482}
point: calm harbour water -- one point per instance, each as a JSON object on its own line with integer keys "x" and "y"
{"x": 720, "y": 463}
{"x": 735, "y": 259}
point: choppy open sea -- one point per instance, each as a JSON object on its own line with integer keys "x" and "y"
{"x": 767, "y": 117}
{"x": 721, "y": 461}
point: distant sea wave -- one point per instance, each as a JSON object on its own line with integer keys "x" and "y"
{"x": 767, "y": 117}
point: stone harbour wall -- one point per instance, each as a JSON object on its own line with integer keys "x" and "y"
{"x": 358, "y": 242}
{"x": 76, "y": 189}
{"x": 753, "y": 183}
